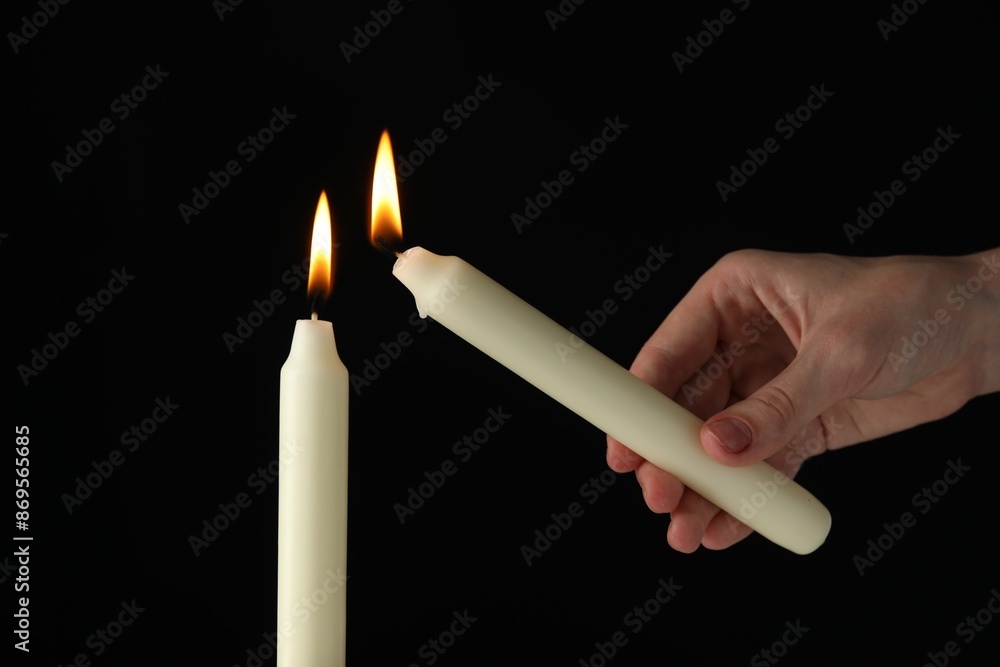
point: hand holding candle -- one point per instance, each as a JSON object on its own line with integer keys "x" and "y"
{"x": 527, "y": 342}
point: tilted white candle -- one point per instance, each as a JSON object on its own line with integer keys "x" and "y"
{"x": 520, "y": 337}
{"x": 312, "y": 493}
{"x": 590, "y": 384}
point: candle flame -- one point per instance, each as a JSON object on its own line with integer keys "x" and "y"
{"x": 321, "y": 255}
{"x": 387, "y": 223}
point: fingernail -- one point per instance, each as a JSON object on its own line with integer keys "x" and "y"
{"x": 732, "y": 434}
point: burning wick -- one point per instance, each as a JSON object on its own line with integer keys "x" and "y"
{"x": 317, "y": 303}
{"x": 382, "y": 245}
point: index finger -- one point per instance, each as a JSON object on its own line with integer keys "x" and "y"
{"x": 683, "y": 342}
{"x": 677, "y": 348}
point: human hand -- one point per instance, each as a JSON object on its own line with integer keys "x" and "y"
{"x": 788, "y": 355}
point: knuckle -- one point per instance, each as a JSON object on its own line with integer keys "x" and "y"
{"x": 775, "y": 402}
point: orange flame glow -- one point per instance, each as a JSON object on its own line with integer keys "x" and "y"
{"x": 321, "y": 255}
{"x": 387, "y": 223}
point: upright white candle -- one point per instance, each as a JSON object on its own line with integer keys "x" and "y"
{"x": 593, "y": 386}
{"x": 312, "y": 484}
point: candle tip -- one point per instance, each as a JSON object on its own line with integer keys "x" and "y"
{"x": 317, "y": 305}
{"x": 383, "y": 246}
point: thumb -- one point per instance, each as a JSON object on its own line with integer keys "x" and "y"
{"x": 769, "y": 419}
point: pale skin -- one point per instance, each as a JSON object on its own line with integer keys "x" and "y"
{"x": 788, "y": 355}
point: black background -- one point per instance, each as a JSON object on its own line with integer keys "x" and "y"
{"x": 162, "y": 336}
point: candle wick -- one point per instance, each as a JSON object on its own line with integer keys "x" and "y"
{"x": 317, "y": 303}
{"x": 380, "y": 242}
